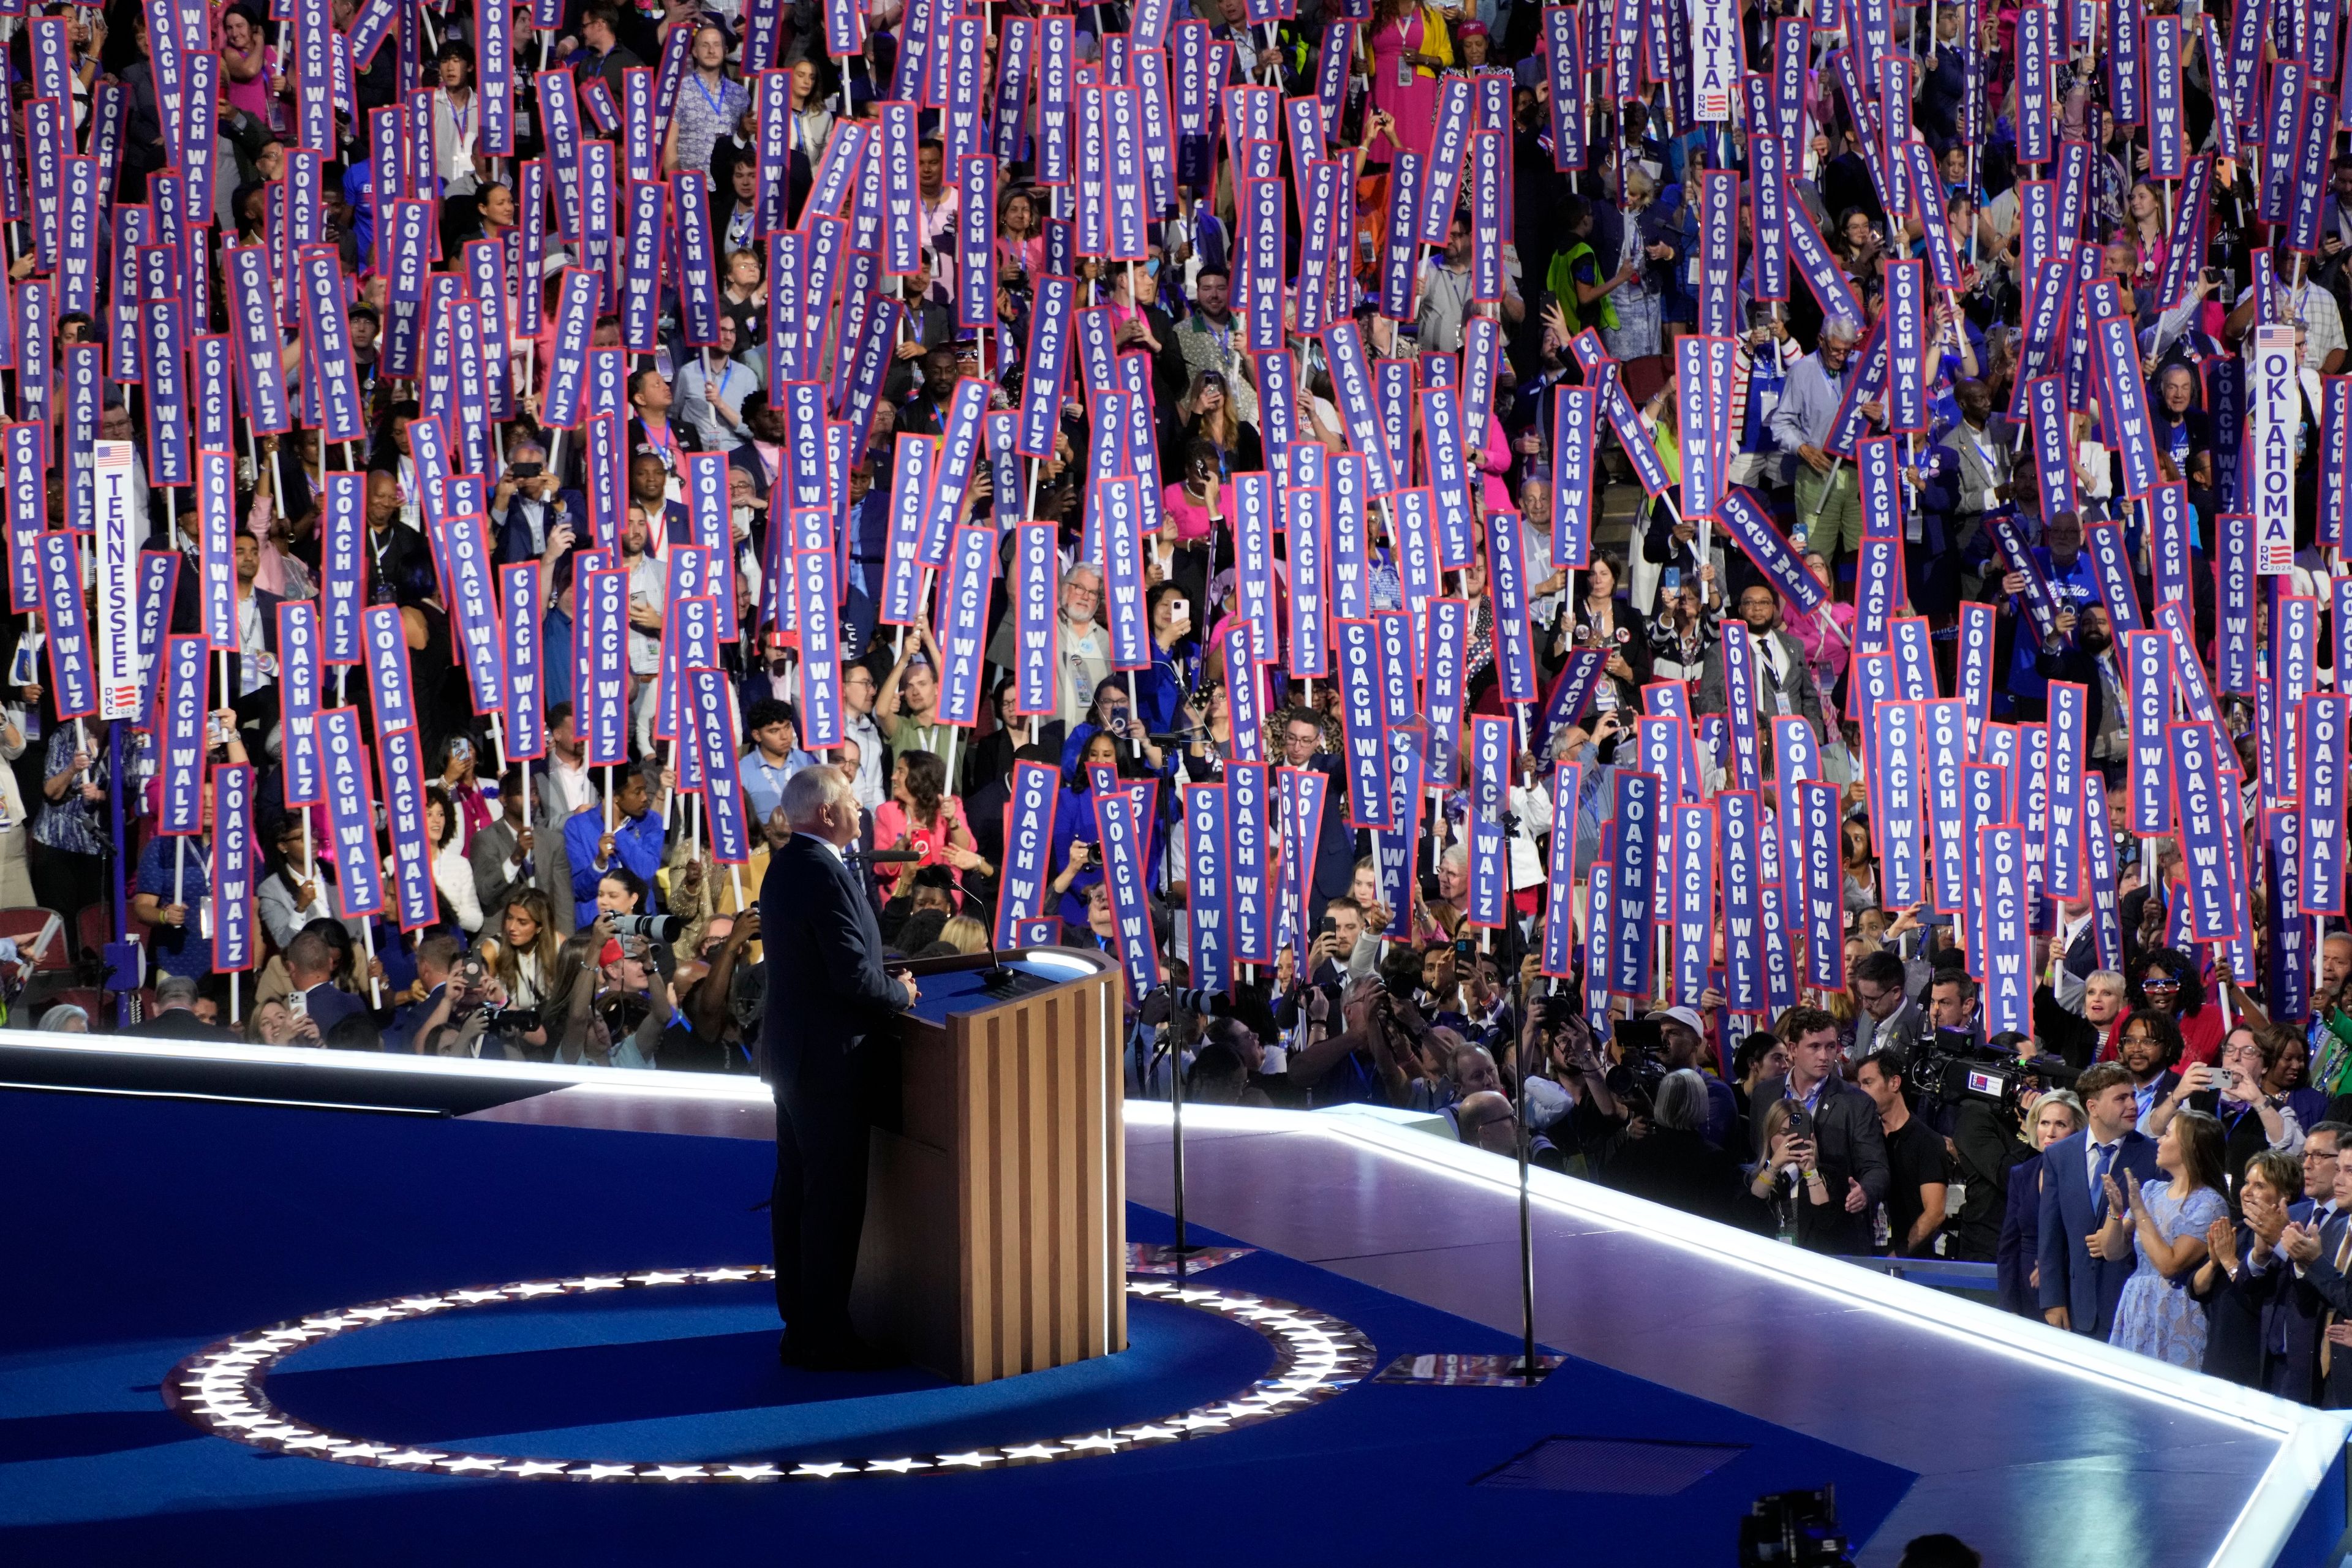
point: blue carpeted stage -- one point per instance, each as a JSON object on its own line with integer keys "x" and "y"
{"x": 142, "y": 1231}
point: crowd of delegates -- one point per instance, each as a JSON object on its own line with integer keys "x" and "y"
{"x": 2179, "y": 1198}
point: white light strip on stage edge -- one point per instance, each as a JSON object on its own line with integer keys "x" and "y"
{"x": 2308, "y": 1441}
{"x": 303, "y": 1058}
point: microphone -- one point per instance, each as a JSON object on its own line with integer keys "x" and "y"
{"x": 885, "y": 856}
{"x": 998, "y": 973}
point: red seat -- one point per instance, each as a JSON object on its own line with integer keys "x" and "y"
{"x": 94, "y": 927}
{"x": 102, "y": 1017}
{"x": 39, "y": 935}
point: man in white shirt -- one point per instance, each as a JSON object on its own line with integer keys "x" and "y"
{"x": 456, "y": 119}
{"x": 857, "y": 692}
{"x": 565, "y": 787}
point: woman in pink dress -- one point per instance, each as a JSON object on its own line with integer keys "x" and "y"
{"x": 1825, "y": 635}
{"x": 1409, "y": 47}
{"x": 921, "y": 815}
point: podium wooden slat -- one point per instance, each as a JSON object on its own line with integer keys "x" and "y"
{"x": 995, "y": 1226}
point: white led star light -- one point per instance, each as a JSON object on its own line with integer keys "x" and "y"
{"x": 220, "y": 1390}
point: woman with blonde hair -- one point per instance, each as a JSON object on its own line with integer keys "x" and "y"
{"x": 965, "y": 934}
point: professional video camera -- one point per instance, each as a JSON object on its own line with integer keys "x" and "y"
{"x": 1794, "y": 1530}
{"x": 1948, "y": 1069}
{"x": 1641, "y": 1063}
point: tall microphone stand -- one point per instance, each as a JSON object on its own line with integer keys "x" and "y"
{"x": 1176, "y": 1122}
{"x": 1513, "y": 950}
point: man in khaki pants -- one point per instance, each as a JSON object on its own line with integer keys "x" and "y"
{"x": 1829, "y": 510}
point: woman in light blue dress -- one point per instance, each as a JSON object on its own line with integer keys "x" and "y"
{"x": 2164, "y": 1222}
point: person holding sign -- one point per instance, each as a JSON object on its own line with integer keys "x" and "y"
{"x": 171, "y": 890}
{"x": 1829, "y": 503}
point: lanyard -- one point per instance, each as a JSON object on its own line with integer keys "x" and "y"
{"x": 714, "y": 101}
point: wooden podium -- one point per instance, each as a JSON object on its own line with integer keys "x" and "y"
{"x": 995, "y": 1234}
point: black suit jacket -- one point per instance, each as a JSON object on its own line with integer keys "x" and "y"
{"x": 826, "y": 989}
{"x": 1848, "y": 1141}
{"x": 179, "y": 1024}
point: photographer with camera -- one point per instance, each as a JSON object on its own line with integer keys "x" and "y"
{"x": 616, "y": 1007}
{"x": 1670, "y": 1160}
{"x": 458, "y": 1014}
{"x": 1379, "y": 1051}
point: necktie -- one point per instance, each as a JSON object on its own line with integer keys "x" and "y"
{"x": 2099, "y": 1169}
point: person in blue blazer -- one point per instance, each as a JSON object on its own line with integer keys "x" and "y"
{"x": 2079, "y": 1290}
{"x": 2055, "y": 1115}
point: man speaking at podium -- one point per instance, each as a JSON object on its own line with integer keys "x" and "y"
{"x": 826, "y": 991}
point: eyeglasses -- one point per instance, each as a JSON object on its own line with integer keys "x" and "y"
{"x": 2165, "y": 984}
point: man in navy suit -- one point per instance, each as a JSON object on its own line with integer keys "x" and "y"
{"x": 1335, "y": 846}
{"x": 826, "y": 991}
{"x": 309, "y": 968}
{"x": 531, "y": 510}
{"x": 2317, "y": 1248}
{"x": 2079, "y": 1289}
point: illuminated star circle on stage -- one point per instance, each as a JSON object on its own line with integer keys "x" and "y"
{"x": 220, "y": 1390}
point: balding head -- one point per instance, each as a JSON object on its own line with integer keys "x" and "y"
{"x": 1486, "y": 1118}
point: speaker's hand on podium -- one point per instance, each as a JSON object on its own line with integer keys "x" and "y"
{"x": 907, "y": 979}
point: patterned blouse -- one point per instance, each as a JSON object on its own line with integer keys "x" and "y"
{"x": 72, "y": 822}
{"x": 705, "y": 114}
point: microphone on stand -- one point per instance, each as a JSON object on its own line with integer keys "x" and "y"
{"x": 998, "y": 974}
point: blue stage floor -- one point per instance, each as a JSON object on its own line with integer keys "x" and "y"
{"x": 141, "y": 1231}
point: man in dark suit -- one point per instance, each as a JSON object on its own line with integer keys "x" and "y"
{"x": 2079, "y": 1289}
{"x": 176, "y": 1015}
{"x": 1335, "y": 841}
{"x": 436, "y": 956}
{"x": 1843, "y": 1120}
{"x": 2279, "y": 1350}
{"x": 530, "y": 510}
{"x": 253, "y": 668}
{"x": 826, "y": 990}
{"x": 312, "y": 991}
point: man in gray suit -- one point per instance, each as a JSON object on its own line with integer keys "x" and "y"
{"x": 508, "y": 858}
{"x": 1784, "y": 682}
{"x": 1849, "y": 1148}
